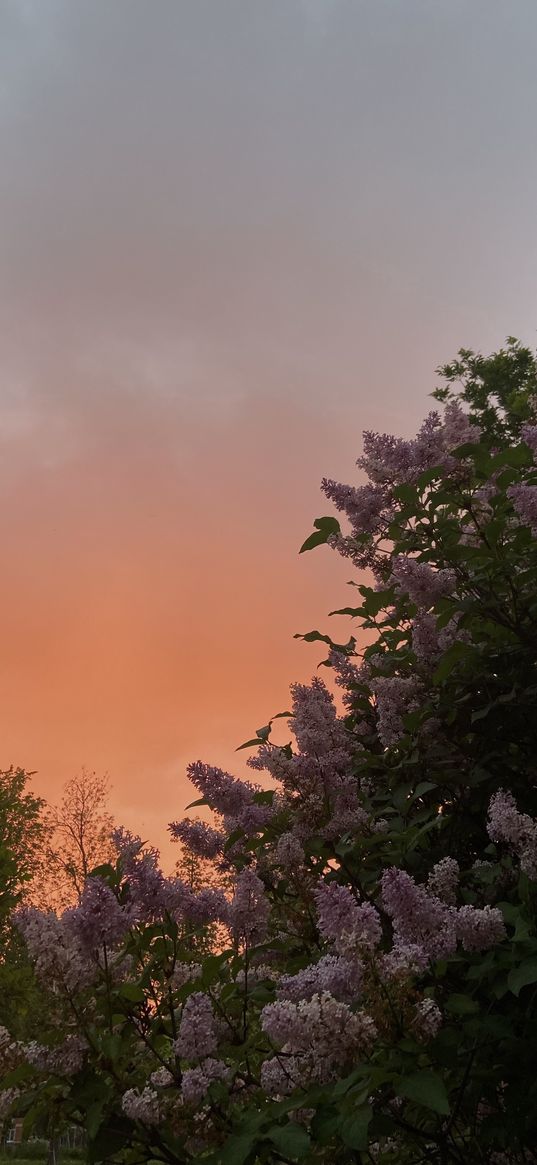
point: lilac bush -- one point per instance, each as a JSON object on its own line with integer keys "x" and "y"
{"x": 371, "y": 995}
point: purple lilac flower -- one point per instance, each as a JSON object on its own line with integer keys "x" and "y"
{"x": 198, "y": 837}
{"x": 396, "y": 696}
{"x": 339, "y": 976}
{"x": 322, "y": 1032}
{"x": 517, "y": 830}
{"x": 479, "y": 930}
{"x": 99, "y": 919}
{"x": 529, "y": 435}
{"x": 404, "y": 959}
{"x": 197, "y": 1032}
{"x": 352, "y": 926}
{"x": 196, "y": 1081}
{"x": 418, "y": 917}
{"x": 249, "y": 910}
{"x": 315, "y": 724}
{"x": 423, "y": 585}
{"x": 347, "y": 675}
{"x": 364, "y": 505}
{"x": 443, "y": 880}
{"x": 289, "y": 852}
{"x": 142, "y": 1106}
{"x": 64, "y": 1059}
{"x": 427, "y": 1020}
{"x": 524, "y": 499}
{"x": 161, "y": 1078}
{"x": 224, "y": 793}
{"x": 57, "y": 957}
{"x": 458, "y": 429}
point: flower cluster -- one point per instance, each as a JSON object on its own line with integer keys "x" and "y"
{"x": 395, "y": 696}
{"x": 423, "y": 585}
{"x": 517, "y": 830}
{"x": 142, "y": 1105}
{"x": 199, "y": 837}
{"x": 197, "y": 1032}
{"x": 316, "y": 1037}
{"x": 197, "y": 1081}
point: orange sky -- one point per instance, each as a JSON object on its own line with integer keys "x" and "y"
{"x": 233, "y": 235}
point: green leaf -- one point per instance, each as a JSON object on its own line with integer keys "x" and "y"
{"x": 522, "y": 975}
{"x": 461, "y": 1005}
{"x": 354, "y": 1129}
{"x": 292, "y": 1140}
{"x": 237, "y": 1149}
{"x": 427, "y": 1089}
{"x": 324, "y": 527}
{"x": 449, "y": 660}
{"x": 200, "y": 801}
{"x": 132, "y": 992}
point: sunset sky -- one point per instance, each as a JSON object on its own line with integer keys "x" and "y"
{"x": 234, "y": 234}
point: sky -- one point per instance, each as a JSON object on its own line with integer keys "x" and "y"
{"x": 233, "y": 235}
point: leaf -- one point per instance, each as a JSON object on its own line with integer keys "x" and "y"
{"x": 237, "y": 1149}
{"x": 354, "y": 612}
{"x": 427, "y": 1089}
{"x": 450, "y": 658}
{"x": 132, "y": 992}
{"x": 292, "y": 1140}
{"x": 354, "y": 1129}
{"x": 522, "y": 975}
{"x": 194, "y": 804}
{"x": 461, "y": 1005}
{"x": 324, "y": 527}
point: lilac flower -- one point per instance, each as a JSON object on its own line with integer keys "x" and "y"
{"x": 196, "y": 1081}
{"x": 479, "y": 930}
{"x": 396, "y": 696}
{"x": 524, "y": 499}
{"x": 423, "y": 585}
{"x": 64, "y": 1059}
{"x": 224, "y": 793}
{"x": 323, "y": 1033}
{"x": 57, "y": 957}
{"x": 427, "y": 1020}
{"x": 517, "y": 830}
{"x": 289, "y": 852}
{"x": 350, "y": 925}
{"x": 210, "y": 905}
{"x": 161, "y": 1078}
{"x": 185, "y": 973}
{"x": 315, "y": 724}
{"x": 458, "y": 429}
{"x": 249, "y": 910}
{"x": 347, "y": 675}
{"x": 142, "y": 1106}
{"x": 339, "y": 976}
{"x": 404, "y": 959}
{"x": 198, "y": 837}
{"x": 529, "y": 435}
{"x": 443, "y": 880}
{"x": 197, "y": 1032}
{"x": 280, "y": 1077}
{"x": 98, "y": 919}
{"x": 418, "y": 917}
{"x": 364, "y": 505}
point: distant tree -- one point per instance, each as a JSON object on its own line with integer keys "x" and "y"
{"x": 79, "y": 839}
{"x": 23, "y": 832}
{"x": 23, "y": 829}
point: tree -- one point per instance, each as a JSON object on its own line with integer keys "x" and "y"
{"x": 376, "y": 999}
{"x": 79, "y": 839}
{"x": 22, "y": 830}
